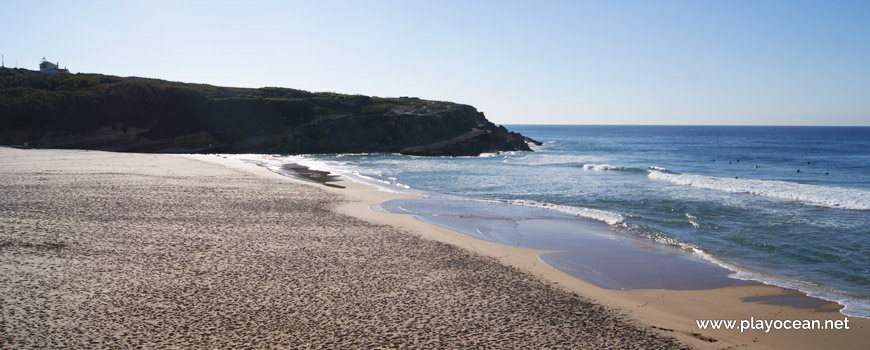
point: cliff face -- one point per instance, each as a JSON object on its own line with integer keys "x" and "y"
{"x": 93, "y": 111}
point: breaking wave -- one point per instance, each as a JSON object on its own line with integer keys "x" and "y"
{"x": 833, "y": 197}
{"x": 608, "y": 167}
{"x": 610, "y": 218}
{"x": 600, "y": 167}
{"x": 550, "y": 159}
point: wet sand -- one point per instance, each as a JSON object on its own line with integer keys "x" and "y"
{"x": 671, "y": 312}
{"x": 112, "y": 250}
{"x": 589, "y": 250}
{"x": 306, "y": 173}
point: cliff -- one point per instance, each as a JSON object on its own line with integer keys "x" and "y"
{"x": 93, "y": 111}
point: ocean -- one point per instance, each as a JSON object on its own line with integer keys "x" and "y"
{"x": 786, "y": 206}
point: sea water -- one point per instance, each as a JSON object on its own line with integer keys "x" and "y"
{"x": 787, "y": 206}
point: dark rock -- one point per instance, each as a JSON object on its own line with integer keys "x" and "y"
{"x": 532, "y": 141}
{"x": 93, "y": 111}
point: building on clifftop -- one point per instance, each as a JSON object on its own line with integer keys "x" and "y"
{"x": 47, "y": 67}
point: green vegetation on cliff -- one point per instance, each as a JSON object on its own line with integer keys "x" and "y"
{"x": 94, "y": 111}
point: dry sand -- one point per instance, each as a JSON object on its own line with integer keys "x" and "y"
{"x": 111, "y": 250}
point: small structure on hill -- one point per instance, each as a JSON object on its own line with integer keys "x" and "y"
{"x": 47, "y": 67}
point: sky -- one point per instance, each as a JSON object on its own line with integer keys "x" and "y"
{"x": 519, "y": 62}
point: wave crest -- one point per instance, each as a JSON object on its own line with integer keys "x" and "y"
{"x": 550, "y": 159}
{"x": 610, "y": 218}
{"x": 833, "y": 197}
{"x": 600, "y": 167}
{"x": 608, "y": 167}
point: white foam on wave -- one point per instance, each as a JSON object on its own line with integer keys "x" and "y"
{"x": 391, "y": 181}
{"x": 600, "y": 167}
{"x": 693, "y": 220}
{"x": 550, "y": 159}
{"x": 852, "y": 306}
{"x": 833, "y": 197}
{"x": 610, "y": 218}
{"x": 276, "y": 162}
{"x": 608, "y": 167}
{"x": 535, "y": 147}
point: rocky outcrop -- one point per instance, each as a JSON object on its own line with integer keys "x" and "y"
{"x": 485, "y": 137}
{"x": 92, "y": 111}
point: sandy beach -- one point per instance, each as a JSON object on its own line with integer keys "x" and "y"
{"x": 671, "y": 312}
{"x": 106, "y": 250}
{"x": 120, "y": 250}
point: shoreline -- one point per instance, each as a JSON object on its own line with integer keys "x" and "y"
{"x": 672, "y": 312}
{"x": 204, "y": 250}
{"x": 588, "y": 249}
{"x": 125, "y": 250}
{"x": 733, "y": 274}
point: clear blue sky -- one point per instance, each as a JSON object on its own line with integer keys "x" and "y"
{"x": 528, "y": 62}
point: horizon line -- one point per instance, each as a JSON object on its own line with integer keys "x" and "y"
{"x": 741, "y": 125}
